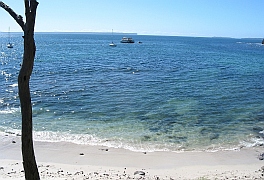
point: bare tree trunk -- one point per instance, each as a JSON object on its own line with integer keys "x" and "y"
{"x": 29, "y": 161}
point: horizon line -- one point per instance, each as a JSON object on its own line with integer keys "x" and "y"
{"x": 130, "y": 33}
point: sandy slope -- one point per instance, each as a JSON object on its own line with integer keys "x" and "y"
{"x": 70, "y": 161}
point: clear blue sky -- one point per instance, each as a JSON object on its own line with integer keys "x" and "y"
{"x": 226, "y": 18}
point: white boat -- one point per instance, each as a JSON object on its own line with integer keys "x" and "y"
{"x": 112, "y": 44}
{"x": 127, "y": 40}
{"x": 9, "y": 45}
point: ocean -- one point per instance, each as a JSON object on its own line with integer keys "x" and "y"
{"x": 164, "y": 94}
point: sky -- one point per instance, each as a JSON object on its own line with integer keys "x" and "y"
{"x": 199, "y": 18}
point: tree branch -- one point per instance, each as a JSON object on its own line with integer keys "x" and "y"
{"x": 30, "y": 12}
{"x": 27, "y": 10}
{"x": 18, "y": 18}
{"x": 33, "y": 6}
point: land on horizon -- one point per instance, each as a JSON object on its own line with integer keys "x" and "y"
{"x": 128, "y": 34}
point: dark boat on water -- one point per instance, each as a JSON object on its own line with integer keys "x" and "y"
{"x": 263, "y": 41}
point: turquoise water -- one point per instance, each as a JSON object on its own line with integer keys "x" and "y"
{"x": 168, "y": 93}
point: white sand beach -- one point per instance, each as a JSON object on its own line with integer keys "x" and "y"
{"x": 63, "y": 160}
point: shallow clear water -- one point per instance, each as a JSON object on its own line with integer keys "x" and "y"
{"x": 168, "y": 93}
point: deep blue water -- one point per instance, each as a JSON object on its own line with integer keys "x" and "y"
{"x": 168, "y": 93}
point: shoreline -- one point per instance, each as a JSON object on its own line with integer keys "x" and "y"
{"x": 63, "y": 160}
{"x": 257, "y": 139}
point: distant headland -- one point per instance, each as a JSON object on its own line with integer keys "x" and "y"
{"x": 96, "y": 33}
